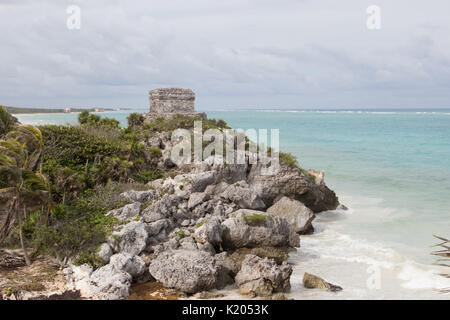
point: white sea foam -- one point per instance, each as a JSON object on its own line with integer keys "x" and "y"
{"x": 347, "y": 260}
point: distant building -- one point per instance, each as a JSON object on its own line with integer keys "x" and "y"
{"x": 99, "y": 110}
{"x": 67, "y": 110}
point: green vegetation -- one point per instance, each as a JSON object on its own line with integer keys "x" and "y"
{"x": 198, "y": 225}
{"x": 292, "y": 161}
{"x": 7, "y": 121}
{"x": 256, "y": 218}
{"x": 289, "y": 159}
{"x": 59, "y": 182}
{"x": 168, "y": 125}
{"x": 22, "y": 187}
{"x": 180, "y": 234}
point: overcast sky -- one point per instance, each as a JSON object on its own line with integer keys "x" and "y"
{"x": 233, "y": 53}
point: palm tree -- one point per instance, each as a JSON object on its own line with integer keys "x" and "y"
{"x": 444, "y": 255}
{"x": 21, "y": 188}
{"x": 7, "y": 121}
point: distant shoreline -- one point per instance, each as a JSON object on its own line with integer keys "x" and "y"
{"x": 21, "y": 111}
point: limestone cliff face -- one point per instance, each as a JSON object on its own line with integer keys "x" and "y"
{"x": 168, "y": 102}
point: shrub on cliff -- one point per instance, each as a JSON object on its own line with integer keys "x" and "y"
{"x": 182, "y": 122}
{"x": 77, "y": 158}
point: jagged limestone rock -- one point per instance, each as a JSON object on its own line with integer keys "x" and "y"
{"x": 262, "y": 277}
{"x": 294, "y": 212}
{"x": 190, "y": 271}
{"x": 251, "y": 228}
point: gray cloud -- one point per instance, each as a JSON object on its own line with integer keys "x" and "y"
{"x": 232, "y": 53}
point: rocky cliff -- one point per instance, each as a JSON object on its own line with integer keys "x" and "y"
{"x": 206, "y": 227}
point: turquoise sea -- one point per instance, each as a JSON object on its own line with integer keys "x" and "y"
{"x": 390, "y": 167}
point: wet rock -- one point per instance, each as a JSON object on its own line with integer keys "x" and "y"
{"x": 208, "y": 295}
{"x": 311, "y": 281}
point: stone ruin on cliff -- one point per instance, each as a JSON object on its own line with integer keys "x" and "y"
{"x": 169, "y": 102}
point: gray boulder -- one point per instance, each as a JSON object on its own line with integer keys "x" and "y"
{"x": 196, "y": 198}
{"x": 139, "y": 196}
{"x": 250, "y": 228}
{"x": 243, "y": 196}
{"x": 230, "y": 263}
{"x": 155, "y": 228}
{"x": 105, "y": 252}
{"x": 295, "y": 212}
{"x": 210, "y": 232}
{"x": 128, "y": 263}
{"x": 126, "y": 212}
{"x": 132, "y": 238}
{"x": 186, "y": 270}
{"x": 201, "y": 180}
{"x": 109, "y": 283}
{"x": 188, "y": 243}
{"x": 293, "y": 183}
{"x": 262, "y": 277}
{"x": 311, "y": 281}
{"x": 161, "y": 209}
{"x": 77, "y": 279}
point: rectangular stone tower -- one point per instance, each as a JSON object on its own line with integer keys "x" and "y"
{"x": 172, "y": 100}
{"x": 168, "y": 102}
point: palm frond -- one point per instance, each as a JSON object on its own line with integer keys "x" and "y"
{"x": 445, "y": 253}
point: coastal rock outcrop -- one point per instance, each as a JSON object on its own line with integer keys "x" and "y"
{"x": 293, "y": 183}
{"x": 262, "y": 277}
